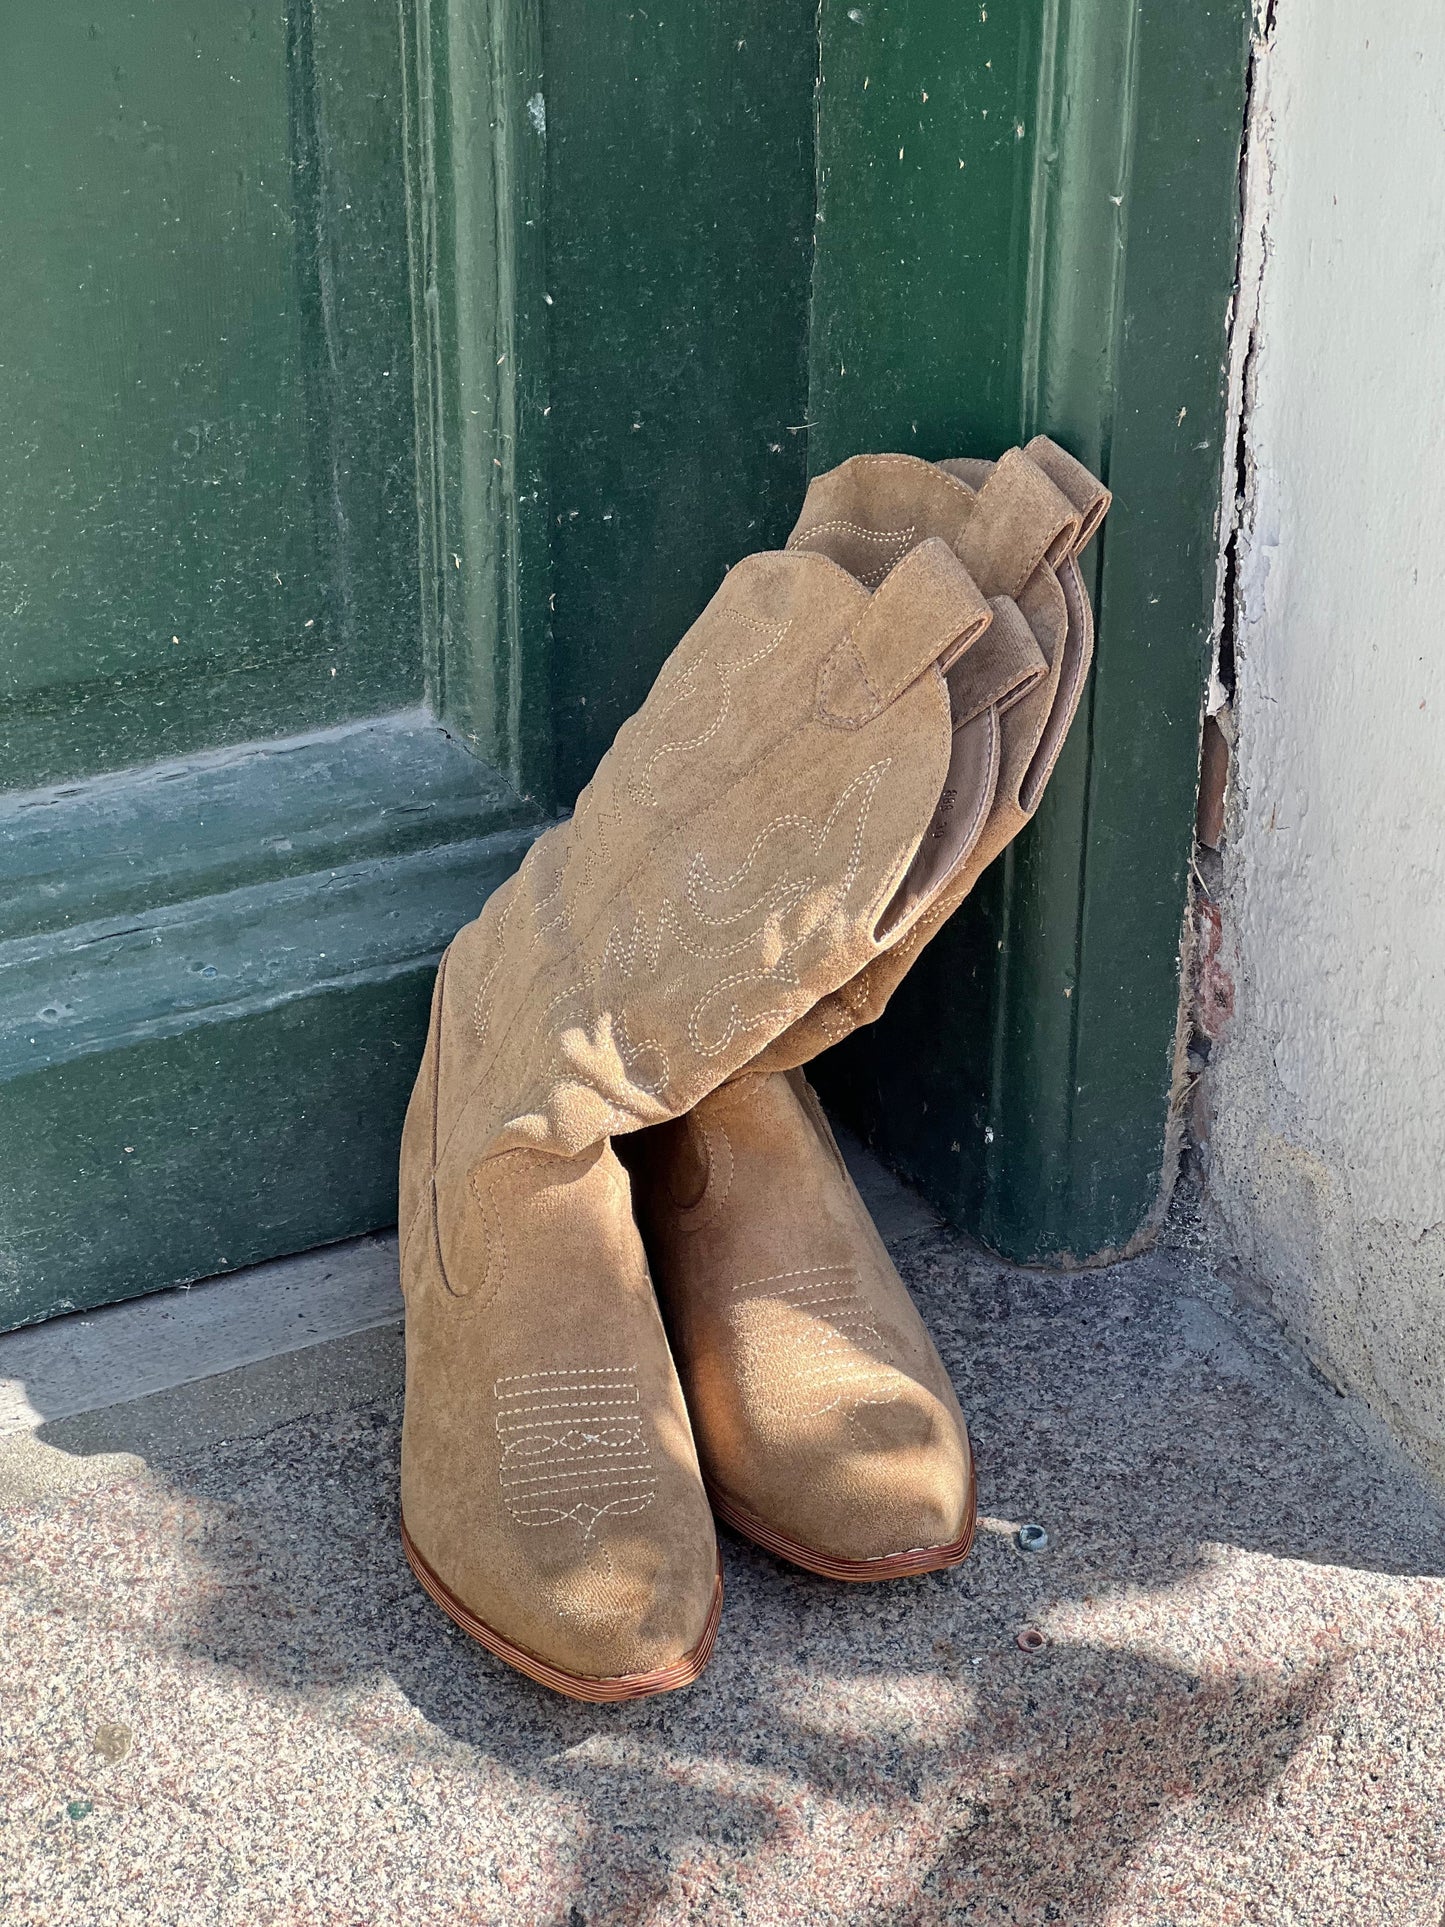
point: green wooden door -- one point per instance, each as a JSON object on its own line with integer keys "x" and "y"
{"x": 232, "y": 838}
{"x": 383, "y": 392}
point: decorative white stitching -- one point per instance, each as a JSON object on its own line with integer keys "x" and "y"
{"x": 807, "y": 1296}
{"x": 558, "y": 1397}
{"x": 494, "y": 1243}
{"x": 550, "y": 1404}
{"x": 571, "y": 953}
{"x": 718, "y": 1184}
{"x": 481, "y": 1014}
{"x": 640, "y": 783}
{"x": 781, "y": 972}
{"x": 805, "y": 1271}
{"x": 527, "y": 1501}
{"x": 581, "y": 1482}
{"x": 554, "y": 1515}
{"x": 617, "y": 1467}
{"x": 826, "y": 1359}
{"x": 637, "y": 947}
{"x": 580, "y": 1405}
{"x": 792, "y": 821}
{"x": 898, "y": 540}
{"x": 576, "y": 1371}
{"x": 717, "y": 1138}
{"x": 916, "y": 461}
{"x": 633, "y": 1054}
{"x": 599, "y": 1466}
{"x": 851, "y": 528}
{"x": 602, "y": 801}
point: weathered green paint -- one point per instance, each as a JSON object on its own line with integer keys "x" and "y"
{"x": 209, "y": 533}
{"x": 1157, "y": 596}
{"x": 189, "y": 1155}
{"x": 925, "y": 150}
{"x": 207, "y": 501}
{"x": 611, "y": 218}
{"x": 1068, "y": 270}
{"x": 679, "y": 223}
{"x": 223, "y": 964}
{"x": 476, "y": 123}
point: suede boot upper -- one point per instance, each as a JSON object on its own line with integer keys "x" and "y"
{"x": 822, "y": 1412}
{"x": 743, "y": 851}
{"x": 825, "y": 1421}
{"x": 1019, "y": 524}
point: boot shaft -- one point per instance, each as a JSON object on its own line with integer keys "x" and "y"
{"x": 730, "y": 863}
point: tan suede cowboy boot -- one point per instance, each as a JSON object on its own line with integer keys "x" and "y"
{"x": 827, "y": 1428}
{"x": 741, "y": 854}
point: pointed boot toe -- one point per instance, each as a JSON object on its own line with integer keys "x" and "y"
{"x": 594, "y": 1629}
{"x": 911, "y": 1468}
{"x": 826, "y": 1425}
{"x": 884, "y": 1491}
{"x": 638, "y": 1613}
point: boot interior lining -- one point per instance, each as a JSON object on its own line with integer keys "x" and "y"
{"x": 1066, "y": 692}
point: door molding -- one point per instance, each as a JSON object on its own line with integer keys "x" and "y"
{"x": 1064, "y": 262}
{"x": 214, "y": 976}
{"x": 474, "y": 143}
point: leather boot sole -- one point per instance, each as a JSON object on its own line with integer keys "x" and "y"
{"x": 577, "y": 1686}
{"x": 894, "y": 1565}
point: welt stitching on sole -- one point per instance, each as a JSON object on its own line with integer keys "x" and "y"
{"x": 898, "y": 1565}
{"x": 578, "y": 1686}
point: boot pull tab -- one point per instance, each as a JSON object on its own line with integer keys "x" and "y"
{"x": 1001, "y": 668}
{"x": 1089, "y": 496}
{"x": 1021, "y": 519}
{"x": 928, "y": 610}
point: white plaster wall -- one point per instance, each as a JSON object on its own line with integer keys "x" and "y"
{"x": 1327, "y": 1169}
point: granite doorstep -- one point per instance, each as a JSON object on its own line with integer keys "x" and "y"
{"x": 223, "y": 1699}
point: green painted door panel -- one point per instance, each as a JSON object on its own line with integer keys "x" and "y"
{"x": 207, "y": 502}
{"x": 214, "y": 976}
{"x": 215, "y": 951}
{"x": 217, "y": 1147}
{"x": 679, "y": 245}
{"x": 926, "y": 142}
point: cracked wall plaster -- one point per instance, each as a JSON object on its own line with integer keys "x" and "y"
{"x": 1327, "y": 1159}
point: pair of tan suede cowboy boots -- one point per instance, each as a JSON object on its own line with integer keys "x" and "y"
{"x": 640, "y": 1287}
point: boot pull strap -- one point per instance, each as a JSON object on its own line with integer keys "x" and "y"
{"x": 1020, "y": 520}
{"x": 928, "y": 610}
{"x": 1087, "y": 493}
{"x": 1000, "y": 669}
